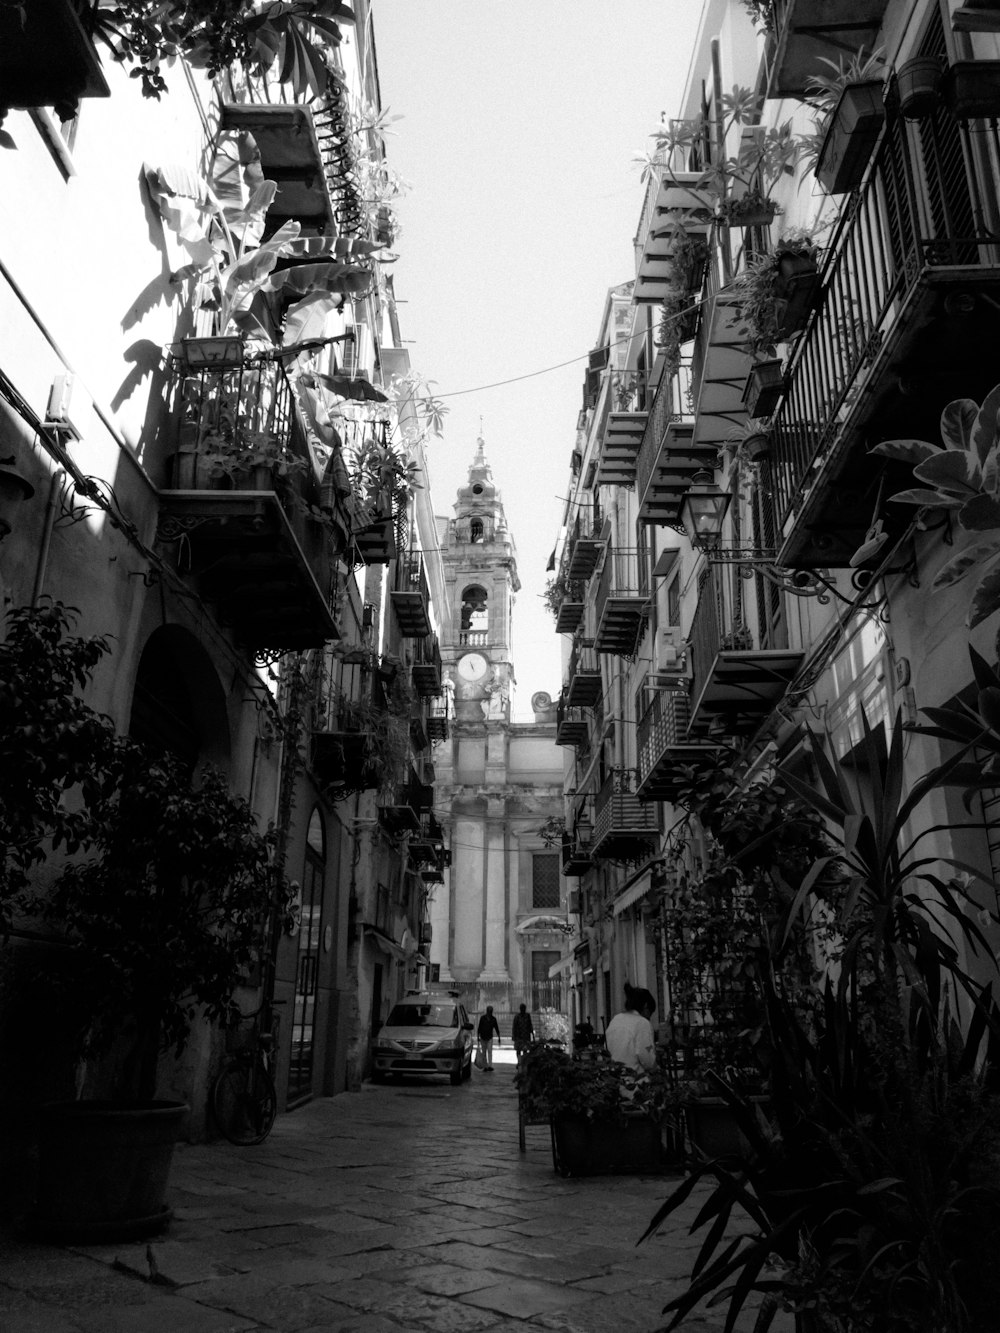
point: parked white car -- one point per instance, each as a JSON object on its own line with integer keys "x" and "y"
{"x": 427, "y": 1033}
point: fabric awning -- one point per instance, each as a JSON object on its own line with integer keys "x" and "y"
{"x": 562, "y": 966}
{"x": 631, "y": 895}
{"x": 384, "y": 942}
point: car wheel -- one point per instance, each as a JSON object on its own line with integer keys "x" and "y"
{"x": 467, "y": 1072}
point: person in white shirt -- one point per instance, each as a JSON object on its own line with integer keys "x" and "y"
{"x": 629, "y": 1037}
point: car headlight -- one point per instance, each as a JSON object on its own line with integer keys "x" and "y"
{"x": 444, "y": 1048}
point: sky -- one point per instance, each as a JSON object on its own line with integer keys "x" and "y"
{"x": 517, "y": 130}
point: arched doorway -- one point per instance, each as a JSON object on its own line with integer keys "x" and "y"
{"x": 300, "y": 1068}
{"x": 178, "y": 704}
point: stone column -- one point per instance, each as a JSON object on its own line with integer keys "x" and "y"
{"x": 495, "y": 917}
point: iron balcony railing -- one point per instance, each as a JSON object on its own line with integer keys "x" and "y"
{"x": 622, "y": 824}
{"x": 583, "y": 674}
{"x": 920, "y": 208}
{"x": 672, "y": 402}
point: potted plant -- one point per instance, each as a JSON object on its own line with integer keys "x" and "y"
{"x": 160, "y": 913}
{"x": 871, "y": 1191}
{"x": 972, "y": 89}
{"x": 960, "y": 476}
{"x": 736, "y": 188}
{"x": 764, "y": 387}
{"x": 678, "y": 324}
{"x": 604, "y": 1116}
{"x": 851, "y": 113}
{"x": 774, "y": 293}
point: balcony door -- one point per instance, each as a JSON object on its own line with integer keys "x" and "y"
{"x": 300, "y": 1068}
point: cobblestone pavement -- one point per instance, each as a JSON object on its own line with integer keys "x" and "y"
{"x": 401, "y": 1207}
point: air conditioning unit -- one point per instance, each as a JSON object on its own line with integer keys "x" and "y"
{"x": 671, "y": 666}
{"x": 57, "y": 413}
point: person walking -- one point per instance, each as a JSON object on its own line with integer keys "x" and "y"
{"x": 522, "y": 1031}
{"x": 488, "y": 1028}
{"x": 630, "y": 1038}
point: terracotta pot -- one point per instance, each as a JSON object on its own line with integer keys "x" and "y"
{"x": 103, "y": 1168}
{"x": 757, "y": 447}
{"x": 918, "y": 82}
{"x": 798, "y": 285}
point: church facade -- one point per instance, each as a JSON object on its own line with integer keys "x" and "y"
{"x": 499, "y": 921}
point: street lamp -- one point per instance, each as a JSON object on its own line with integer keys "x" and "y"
{"x": 14, "y": 490}
{"x": 703, "y": 511}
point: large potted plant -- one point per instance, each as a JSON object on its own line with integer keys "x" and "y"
{"x": 870, "y": 1199}
{"x": 604, "y": 1117}
{"x": 774, "y": 293}
{"x": 159, "y": 916}
{"x": 850, "y": 115}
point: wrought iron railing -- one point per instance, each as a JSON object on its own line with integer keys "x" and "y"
{"x": 583, "y": 659}
{"x": 617, "y": 809}
{"x": 672, "y": 401}
{"x": 662, "y": 727}
{"x": 622, "y": 576}
{"x": 411, "y": 575}
{"x": 920, "y": 206}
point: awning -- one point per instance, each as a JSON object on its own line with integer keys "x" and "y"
{"x": 542, "y": 923}
{"x": 631, "y": 895}
{"x": 564, "y": 964}
{"x": 384, "y": 942}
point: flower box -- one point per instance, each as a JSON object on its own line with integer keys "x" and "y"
{"x": 749, "y": 210}
{"x": 712, "y": 1126}
{"x": 763, "y": 389}
{"x": 584, "y": 1147}
{"x": 851, "y": 136}
{"x": 797, "y": 285}
{"x": 972, "y": 89}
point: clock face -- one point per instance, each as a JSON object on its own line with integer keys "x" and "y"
{"x": 473, "y": 667}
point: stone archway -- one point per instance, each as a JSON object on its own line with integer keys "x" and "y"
{"x": 178, "y": 704}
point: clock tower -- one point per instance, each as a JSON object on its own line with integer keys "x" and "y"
{"x": 498, "y": 783}
{"x": 480, "y": 569}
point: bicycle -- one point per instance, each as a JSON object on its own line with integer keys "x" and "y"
{"x": 244, "y": 1098}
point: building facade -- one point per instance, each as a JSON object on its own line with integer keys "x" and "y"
{"x": 734, "y": 574}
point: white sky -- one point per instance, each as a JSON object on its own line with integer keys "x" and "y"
{"x": 518, "y": 131}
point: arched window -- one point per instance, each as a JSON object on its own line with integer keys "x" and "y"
{"x": 476, "y": 530}
{"x": 475, "y": 611}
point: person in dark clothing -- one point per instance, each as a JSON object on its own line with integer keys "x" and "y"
{"x": 488, "y": 1028}
{"x": 521, "y": 1031}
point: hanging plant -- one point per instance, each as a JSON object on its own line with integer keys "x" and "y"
{"x": 774, "y": 293}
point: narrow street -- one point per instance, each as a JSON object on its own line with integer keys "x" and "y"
{"x": 402, "y": 1207}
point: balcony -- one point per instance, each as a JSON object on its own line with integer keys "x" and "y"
{"x": 622, "y": 428}
{"x": 736, "y": 683}
{"x": 907, "y": 324}
{"x": 404, "y": 811}
{"x": 625, "y": 830}
{"x": 585, "y": 546}
{"x": 376, "y": 543}
{"x": 668, "y": 457}
{"x": 719, "y": 367}
{"x": 426, "y": 846}
{"x": 236, "y": 503}
{"x": 309, "y": 152}
{"x": 410, "y": 596}
{"x": 672, "y": 210}
{"x": 572, "y": 727}
{"x": 570, "y": 611}
{"x": 438, "y": 721}
{"x": 426, "y": 670}
{"x": 583, "y": 677}
{"x": 343, "y": 761}
{"x": 808, "y": 31}
{"x": 622, "y": 604}
{"x": 576, "y": 859}
{"x": 46, "y": 57}
{"x": 665, "y": 747}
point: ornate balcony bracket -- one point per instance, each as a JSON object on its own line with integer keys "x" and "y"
{"x": 753, "y": 560}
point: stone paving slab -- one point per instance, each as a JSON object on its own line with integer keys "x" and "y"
{"x": 398, "y": 1209}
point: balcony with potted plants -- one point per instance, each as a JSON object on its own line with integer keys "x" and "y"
{"x": 564, "y": 597}
{"x": 242, "y": 504}
{"x": 583, "y": 550}
{"x": 625, "y": 830}
{"x": 621, "y": 606}
{"x": 736, "y": 680}
{"x": 905, "y": 324}
{"x": 403, "y": 805}
{"x": 438, "y": 719}
{"x": 583, "y": 675}
{"x": 806, "y": 31}
{"x": 426, "y": 848}
{"x": 666, "y": 750}
{"x": 677, "y": 214}
{"x": 668, "y": 458}
{"x": 410, "y": 596}
{"x": 624, "y": 423}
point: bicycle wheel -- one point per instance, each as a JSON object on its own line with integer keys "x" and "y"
{"x": 245, "y": 1103}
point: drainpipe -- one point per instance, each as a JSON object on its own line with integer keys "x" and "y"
{"x": 49, "y": 523}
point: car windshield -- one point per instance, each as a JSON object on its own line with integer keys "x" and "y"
{"x": 424, "y": 1015}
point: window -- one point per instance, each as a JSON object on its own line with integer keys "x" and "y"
{"x": 476, "y": 530}
{"x": 545, "y": 879}
{"x": 545, "y": 992}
